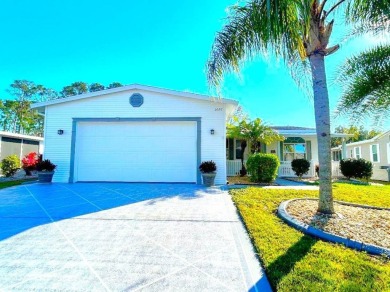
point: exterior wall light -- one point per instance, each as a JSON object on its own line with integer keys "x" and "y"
{"x": 212, "y": 131}
{"x": 60, "y": 132}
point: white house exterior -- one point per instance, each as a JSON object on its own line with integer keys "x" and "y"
{"x": 299, "y": 143}
{"x": 376, "y": 150}
{"x": 135, "y": 133}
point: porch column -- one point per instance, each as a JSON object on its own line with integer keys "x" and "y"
{"x": 343, "y": 149}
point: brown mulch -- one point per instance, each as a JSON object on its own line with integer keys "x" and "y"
{"x": 244, "y": 180}
{"x": 366, "y": 225}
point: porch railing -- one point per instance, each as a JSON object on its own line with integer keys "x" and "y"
{"x": 233, "y": 168}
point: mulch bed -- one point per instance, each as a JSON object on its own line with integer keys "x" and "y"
{"x": 244, "y": 180}
{"x": 19, "y": 175}
{"x": 371, "y": 226}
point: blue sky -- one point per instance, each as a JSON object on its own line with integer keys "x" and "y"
{"x": 152, "y": 42}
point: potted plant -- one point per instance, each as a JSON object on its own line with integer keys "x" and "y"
{"x": 45, "y": 170}
{"x": 29, "y": 162}
{"x": 208, "y": 170}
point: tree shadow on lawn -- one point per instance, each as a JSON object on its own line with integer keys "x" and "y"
{"x": 283, "y": 265}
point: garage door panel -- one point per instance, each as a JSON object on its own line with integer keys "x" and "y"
{"x": 136, "y": 151}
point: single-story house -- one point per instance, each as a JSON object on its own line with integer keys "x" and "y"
{"x": 135, "y": 133}
{"x": 376, "y": 150}
{"x": 19, "y": 144}
{"x": 299, "y": 142}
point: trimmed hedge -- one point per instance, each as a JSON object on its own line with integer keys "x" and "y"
{"x": 300, "y": 167}
{"x": 356, "y": 168}
{"x": 263, "y": 167}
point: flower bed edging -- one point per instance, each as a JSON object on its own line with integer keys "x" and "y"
{"x": 307, "y": 229}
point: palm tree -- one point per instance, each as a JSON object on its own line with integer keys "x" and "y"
{"x": 366, "y": 82}
{"x": 297, "y": 31}
{"x": 252, "y": 131}
{"x": 365, "y": 78}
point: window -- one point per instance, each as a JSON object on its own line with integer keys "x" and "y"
{"x": 351, "y": 154}
{"x": 374, "y": 149}
{"x": 357, "y": 152}
{"x": 336, "y": 155}
{"x": 238, "y": 149}
{"x": 294, "y": 151}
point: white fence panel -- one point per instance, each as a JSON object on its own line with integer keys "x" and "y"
{"x": 233, "y": 167}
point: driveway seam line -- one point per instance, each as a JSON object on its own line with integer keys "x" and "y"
{"x": 71, "y": 243}
{"x": 237, "y": 253}
{"x": 82, "y": 198}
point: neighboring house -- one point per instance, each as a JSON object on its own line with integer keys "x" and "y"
{"x": 135, "y": 133}
{"x": 376, "y": 150}
{"x": 18, "y": 144}
{"x": 299, "y": 143}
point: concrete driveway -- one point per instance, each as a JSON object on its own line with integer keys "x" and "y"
{"x": 124, "y": 237}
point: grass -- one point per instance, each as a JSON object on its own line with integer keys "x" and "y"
{"x": 297, "y": 262}
{"x": 7, "y": 184}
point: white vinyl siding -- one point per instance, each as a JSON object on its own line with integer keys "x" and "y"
{"x": 116, "y": 105}
{"x": 374, "y": 153}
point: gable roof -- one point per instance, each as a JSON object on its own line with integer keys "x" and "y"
{"x": 41, "y": 105}
{"x": 290, "y": 131}
{"x": 372, "y": 140}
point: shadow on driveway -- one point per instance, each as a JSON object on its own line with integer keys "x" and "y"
{"x": 27, "y": 206}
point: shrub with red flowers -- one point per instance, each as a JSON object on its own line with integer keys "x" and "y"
{"x": 29, "y": 162}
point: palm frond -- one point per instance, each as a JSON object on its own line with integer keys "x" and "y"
{"x": 369, "y": 15}
{"x": 259, "y": 26}
{"x": 366, "y": 84}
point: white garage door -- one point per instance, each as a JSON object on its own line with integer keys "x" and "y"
{"x": 155, "y": 151}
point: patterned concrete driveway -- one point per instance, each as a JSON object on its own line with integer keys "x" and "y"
{"x": 124, "y": 237}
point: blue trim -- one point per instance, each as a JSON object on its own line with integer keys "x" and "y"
{"x": 72, "y": 151}
{"x": 198, "y": 121}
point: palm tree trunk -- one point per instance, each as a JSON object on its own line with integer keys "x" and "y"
{"x": 321, "y": 107}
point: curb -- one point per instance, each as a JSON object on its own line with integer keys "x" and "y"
{"x": 307, "y": 229}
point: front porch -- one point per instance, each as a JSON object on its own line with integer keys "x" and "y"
{"x": 233, "y": 168}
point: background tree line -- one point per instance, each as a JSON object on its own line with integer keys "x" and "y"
{"x": 15, "y": 113}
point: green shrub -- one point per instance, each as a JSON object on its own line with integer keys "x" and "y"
{"x": 208, "y": 166}
{"x": 10, "y": 165}
{"x": 363, "y": 169}
{"x": 262, "y": 167}
{"x": 300, "y": 167}
{"x": 357, "y": 168}
{"x": 45, "y": 165}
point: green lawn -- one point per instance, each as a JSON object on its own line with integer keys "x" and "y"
{"x": 297, "y": 262}
{"x": 7, "y": 184}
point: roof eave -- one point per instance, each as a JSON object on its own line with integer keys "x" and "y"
{"x": 42, "y": 105}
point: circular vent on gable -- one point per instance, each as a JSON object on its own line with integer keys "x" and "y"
{"x": 136, "y": 100}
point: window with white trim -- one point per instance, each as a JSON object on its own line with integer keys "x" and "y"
{"x": 293, "y": 151}
{"x": 374, "y": 151}
{"x": 358, "y": 152}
